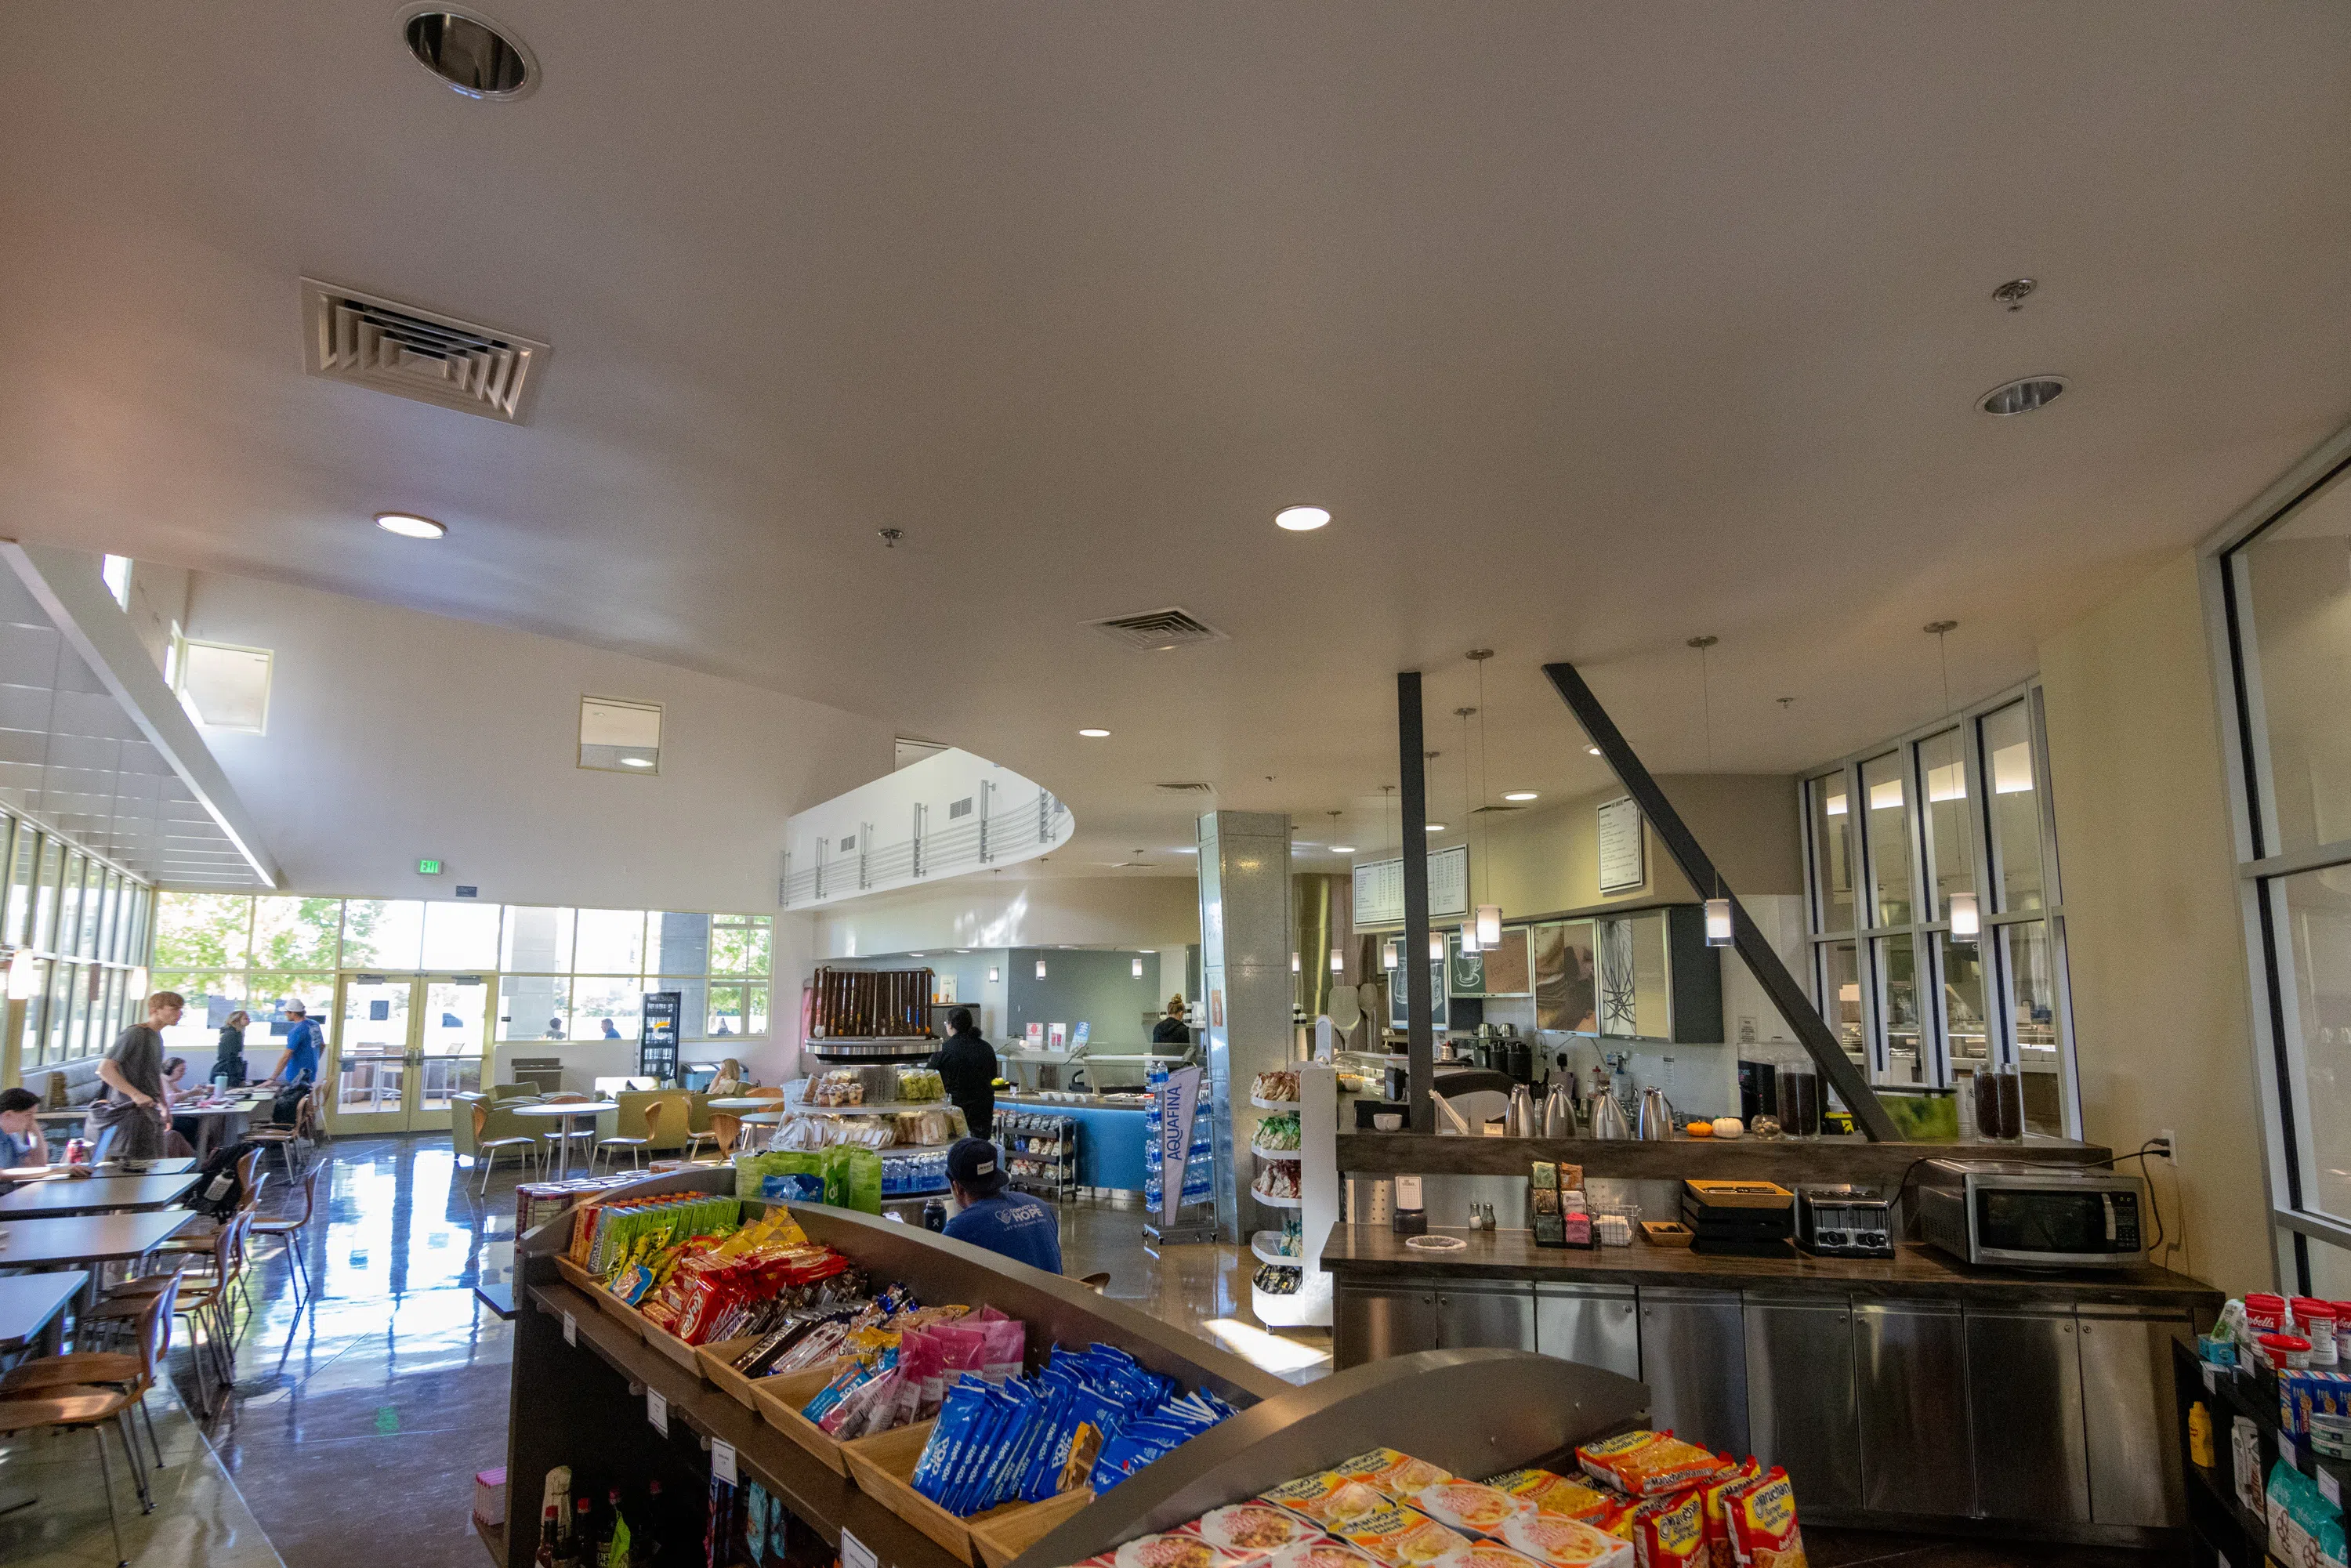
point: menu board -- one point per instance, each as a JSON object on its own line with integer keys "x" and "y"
{"x": 1621, "y": 870}
{"x": 1379, "y": 888}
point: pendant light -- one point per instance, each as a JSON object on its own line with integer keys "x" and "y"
{"x": 1718, "y": 908}
{"x": 1489, "y": 915}
{"x": 1436, "y": 946}
{"x": 1338, "y": 963}
{"x": 1388, "y": 954}
{"x": 1137, "y": 970}
{"x": 1041, "y": 968}
{"x": 1293, "y": 961}
{"x": 1469, "y": 942}
{"x": 995, "y": 975}
{"x": 1966, "y": 918}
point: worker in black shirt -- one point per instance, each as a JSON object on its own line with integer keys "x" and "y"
{"x": 966, "y": 1067}
{"x": 1171, "y": 1029}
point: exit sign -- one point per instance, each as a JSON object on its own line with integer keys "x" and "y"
{"x": 428, "y": 868}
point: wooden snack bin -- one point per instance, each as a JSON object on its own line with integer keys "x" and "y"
{"x": 717, "y": 1368}
{"x": 669, "y": 1345}
{"x": 613, "y": 1305}
{"x": 779, "y": 1400}
{"x": 883, "y": 1465}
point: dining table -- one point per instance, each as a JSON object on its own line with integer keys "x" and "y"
{"x": 746, "y": 1102}
{"x": 566, "y": 1112}
{"x": 95, "y": 1194}
{"x": 73, "y": 1240}
{"x": 32, "y": 1321}
{"x": 213, "y": 1118}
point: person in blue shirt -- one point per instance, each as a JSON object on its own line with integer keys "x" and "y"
{"x": 300, "y": 1063}
{"x": 1011, "y": 1223}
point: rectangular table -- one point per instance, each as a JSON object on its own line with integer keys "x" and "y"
{"x": 29, "y": 1304}
{"x": 212, "y": 1121}
{"x": 97, "y": 1194}
{"x": 88, "y": 1239}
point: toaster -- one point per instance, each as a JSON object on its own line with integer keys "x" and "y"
{"x": 1841, "y": 1220}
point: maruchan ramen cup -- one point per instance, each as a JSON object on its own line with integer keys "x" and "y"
{"x": 1320, "y": 1551}
{"x": 1328, "y": 1498}
{"x": 1466, "y": 1505}
{"x": 1405, "y": 1537}
{"x": 1561, "y": 1542}
{"x": 1254, "y": 1528}
{"x": 1394, "y": 1475}
{"x": 1176, "y": 1549}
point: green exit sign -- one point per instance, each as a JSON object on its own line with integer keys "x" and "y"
{"x": 428, "y": 868}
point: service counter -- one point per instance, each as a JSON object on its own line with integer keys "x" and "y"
{"x": 1914, "y": 1391}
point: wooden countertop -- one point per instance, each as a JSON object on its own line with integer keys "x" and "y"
{"x": 1784, "y": 1160}
{"x": 1367, "y": 1254}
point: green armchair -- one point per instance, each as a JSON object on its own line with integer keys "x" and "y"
{"x": 502, "y": 1124}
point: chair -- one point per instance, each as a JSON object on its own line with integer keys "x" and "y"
{"x": 286, "y": 1230}
{"x": 291, "y": 1138}
{"x": 573, "y": 1132}
{"x": 133, "y": 1374}
{"x": 485, "y": 1148}
{"x": 609, "y": 1147}
{"x": 203, "y": 1301}
{"x": 75, "y": 1408}
{"x": 725, "y": 1129}
{"x": 198, "y": 1237}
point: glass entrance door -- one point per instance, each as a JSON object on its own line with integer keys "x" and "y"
{"x": 404, "y": 1045}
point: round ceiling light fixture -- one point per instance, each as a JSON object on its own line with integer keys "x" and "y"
{"x": 1300, "y": 519}
{"x": 1518, "y": 794}
{"x": 2023, "y": 395}
{"x": 1096, "y": 734}
{"x": 409, "y": 525}
{"x": 470, "y": 52}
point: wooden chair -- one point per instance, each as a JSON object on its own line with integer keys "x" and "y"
{"x": 203, "y": 1300}
{"x": 636, "y": 1147}
{"x": 131, "y": 1373}
{"x": 725, "y": 1128}
{"x": 485, "y": 1150}
{"x": 288, "y": 1232}
{"x": 293, "y": 1140}
{"x": 75, "y": 1408}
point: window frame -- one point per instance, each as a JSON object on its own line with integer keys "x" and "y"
{"x": 1930, "y": 925}
{"x": 179, "y": 661}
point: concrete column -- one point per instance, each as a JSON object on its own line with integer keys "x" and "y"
{"x": 1245, "y": 974}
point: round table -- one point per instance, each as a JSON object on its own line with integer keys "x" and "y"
{"x": 567, "y": 1112}
{"x": 746, "y": 1102}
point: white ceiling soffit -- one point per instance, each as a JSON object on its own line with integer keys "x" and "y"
{"x": 117, "y": 765}
{"x": 1596, "y": 328}
{"x": 950, "y": 815}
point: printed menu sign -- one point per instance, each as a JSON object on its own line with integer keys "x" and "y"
{"x": 1379, "y": 888}
{"x": 1621, "y": 868}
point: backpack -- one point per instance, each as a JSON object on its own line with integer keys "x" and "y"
{"x": 219, "y": 1190}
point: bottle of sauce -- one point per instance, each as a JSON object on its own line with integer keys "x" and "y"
{"x": 550, "y": 1539}
{"x": 583, "y": 1534}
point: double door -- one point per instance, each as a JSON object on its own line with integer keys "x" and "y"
{"x": 404, "y": 1045}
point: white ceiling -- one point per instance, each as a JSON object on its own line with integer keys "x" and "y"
{"x": 1597, "y": 327}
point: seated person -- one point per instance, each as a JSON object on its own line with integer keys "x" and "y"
{"x": 730, "y": 1081}
{"x": 1020, "y": 1226}
{"x": 176, "y": 1092}
{"x": 22, "y": 1141}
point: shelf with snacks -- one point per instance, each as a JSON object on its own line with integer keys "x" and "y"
{"x": 1267, "y": 1245}
{"x": 1275, "y": 1200}
{"x": 1273, "y": 1104}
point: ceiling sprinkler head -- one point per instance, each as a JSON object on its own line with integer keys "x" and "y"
{"x": 890, "y": 537}
{"x": 2014, "y": 292}
{"x": 1936, "y": 628}
{"x": 1704, "y": 642}
{"x": 1482, "y": 655}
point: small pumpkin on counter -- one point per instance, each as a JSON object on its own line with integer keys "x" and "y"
{"x": 1699, "y": 1130}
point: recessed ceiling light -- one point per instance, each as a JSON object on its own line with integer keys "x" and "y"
{"x": 1300, "y": 519}
{"x": 1343, "y": 849}
{"x": 1592, "y": 751}
{"x": 473, "y": 55}
{"x": 1518, "y": 795}
{"x": 409, "y": 525}
{"x": 2023, "y": 395}
{"x": 636, "y": 762}
{"x": 1436, "y": 827}
{"x": 1096, "y": 734}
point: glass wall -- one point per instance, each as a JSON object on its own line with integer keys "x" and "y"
{"x": 81, "y": 925}
{"x": 562, "y": 973}
{"x": 1914, "y": 1000}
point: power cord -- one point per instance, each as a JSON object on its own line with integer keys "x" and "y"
{"x": 2156, "y": 1147}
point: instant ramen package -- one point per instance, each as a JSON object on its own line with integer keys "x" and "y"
{"x": 1405, "y": 1537}
{"x": 1649, "y": 1464}
{"x": 1763, "y": 1515}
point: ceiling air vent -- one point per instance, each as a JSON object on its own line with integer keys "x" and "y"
{"x": 1483, "y": 809}
{"x": 1156, "y": 630}
{"x": 347, "y": 336}
{"x": 1190, "y": 788}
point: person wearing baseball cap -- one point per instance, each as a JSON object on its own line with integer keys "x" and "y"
{"x": 300, "y": 1065}
{"x": 989, "y": 1214}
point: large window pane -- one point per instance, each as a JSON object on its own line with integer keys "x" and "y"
{"x": 1968, "y": 1026}
{"x": 611, "y": 941}
{"x": 534, "y": 1007}
{"x": 1897, "y": 976}
{"x": 68, "y": 938}
{"x": 1888, "y": 827}
{"x": 45, "y": 901}
{"x": 1950, "y": 842}
{"x": 2032, "y": 978}
{"x": 26, "y": 861}
{"x": 93, "y": 894}
{"x": 2015, "y": 807}
{"x": 211, "y": 998}
{"x": 110, "y": 898}
{"x": 537, "y": 940}
{"x": 678, "y": 945}
{"x": 725, "y": 1018}
{"x": 606, "y": 1006}
{"x": 295, "y": 933}
{"x": 739, "y": 948}
{"x": 202, "y": 930}
{"x": 1839, "y": 981}
{"x": 755, "y": 1009}
{"x": 384, "y": 933}
{"x": 2294, "y": 596}
{"x": 1832, "y": 853}
{"x": 2315, "y": 936}
{"x": 78, "y": 997}
{"x": 461, "y": 935}
{"x": 60, "y": 1010}
{"x": 35, "y": 1009}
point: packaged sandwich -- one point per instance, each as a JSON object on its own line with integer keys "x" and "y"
{"x": 1405, "y": 1537}
{"x": 1328, "y": 1498}
{"x": 1393, "y": 1475}
{"x": 1671, "y": 1533}
{"x": 1468, "y": 1505}
{"x": 1559, "y": 1494}
{"x": 1763, "y": 1515}
{"x": 1649, "y": 1464}
{"x": 1561, "y": 1542}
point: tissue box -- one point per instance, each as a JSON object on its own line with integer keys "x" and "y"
{"x": 490, "y": 1497}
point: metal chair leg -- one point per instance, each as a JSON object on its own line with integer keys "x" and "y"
{"x": 121, "y": 1558}
{"x": 124, "y": 1420}
{"x": 148, "y": 1412}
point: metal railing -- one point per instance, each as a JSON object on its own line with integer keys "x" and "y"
{"x": 967, "y": 843}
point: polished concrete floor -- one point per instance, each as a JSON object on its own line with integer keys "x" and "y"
{"x": 360, "y": 1416}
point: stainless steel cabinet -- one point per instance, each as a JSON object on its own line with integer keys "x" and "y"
{"x": 1802, "y": 1411}
{"x": 1500, "y": 1316}
{"x": 1910, "y": 1379}
{"x": 1694, "y": 1359}
{"x": 2128, "y": 1414}
{"x": 2024, "y": 1399}
{"x": 1373, "y": 1324}
{"x": 1598, "y": 1325}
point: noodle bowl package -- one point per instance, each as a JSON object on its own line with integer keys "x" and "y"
{"x": 1254, "y": 1529}
{"x": 1561, "y": 1542}
{"x": 1468, "y": 1505}
{"x": 1395, "y": 1476}
{"x": 1327, "y": 1498}
{"x": 1176, "y": 1549}
{"x": 1320, "y": 1551}
{"x": 1405, "y": 1537}
{"x": 1494, "y": 1554}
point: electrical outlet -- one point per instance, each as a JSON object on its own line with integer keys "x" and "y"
{"x": 2170, "y": 1146}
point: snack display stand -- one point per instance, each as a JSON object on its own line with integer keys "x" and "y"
{"x": 591, "y": 1374}
{"x": 1313, "y": 1168}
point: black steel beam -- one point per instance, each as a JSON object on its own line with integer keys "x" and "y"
{"x": 1420, "y": 1051}
{"x": 1842, "y": 1076}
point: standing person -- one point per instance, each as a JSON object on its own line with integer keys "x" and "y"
{"x": 1013, "y": 1223}
{"x": 612, "y": 1031}
{"x": 228, "y": 1061}
{"x": 966, "y": 1067}
{"x": 22, "y": 1142}
{"x": 131, "y": 1117}
{"x": 300, "y": 1065}
{"x": 1171, "y": 1029}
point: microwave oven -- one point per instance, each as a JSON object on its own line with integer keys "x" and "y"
{"x": 2014, "y": 1214}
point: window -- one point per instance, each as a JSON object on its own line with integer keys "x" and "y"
{"x": 223, "y": 687}
{"x": 1912, "y": 1002}
{"x": 114, "y": 570}
{"x": 618, "y": 736}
